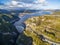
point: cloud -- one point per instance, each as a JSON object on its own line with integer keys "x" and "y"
{"x": 40, "y": 1}
{"x": 31, "y": 4}
{"x": 14, "y": 2}
{"x": 26, "y": 1}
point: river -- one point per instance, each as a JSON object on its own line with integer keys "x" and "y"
{"x": 19, "y": 24}
{"x": 26, "y": 16}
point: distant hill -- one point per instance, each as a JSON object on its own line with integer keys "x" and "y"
{"x": 17, "y": 11}
{"x": 4, "y": 11}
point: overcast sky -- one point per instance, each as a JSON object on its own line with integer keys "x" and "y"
{"x": 30, "y": 4}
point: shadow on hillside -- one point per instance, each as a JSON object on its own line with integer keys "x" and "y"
{"x": 24, "y": 40}
{"x": 10, "y": 36}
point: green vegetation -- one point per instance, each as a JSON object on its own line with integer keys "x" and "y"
{"x": 9, "y": 34}
{"x": 57, "y": 13}
{"x": 48, "y": 26}
{"x": 6, "y": 31}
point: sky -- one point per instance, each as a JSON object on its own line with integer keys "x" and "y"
{"x": 30, "y": 4}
